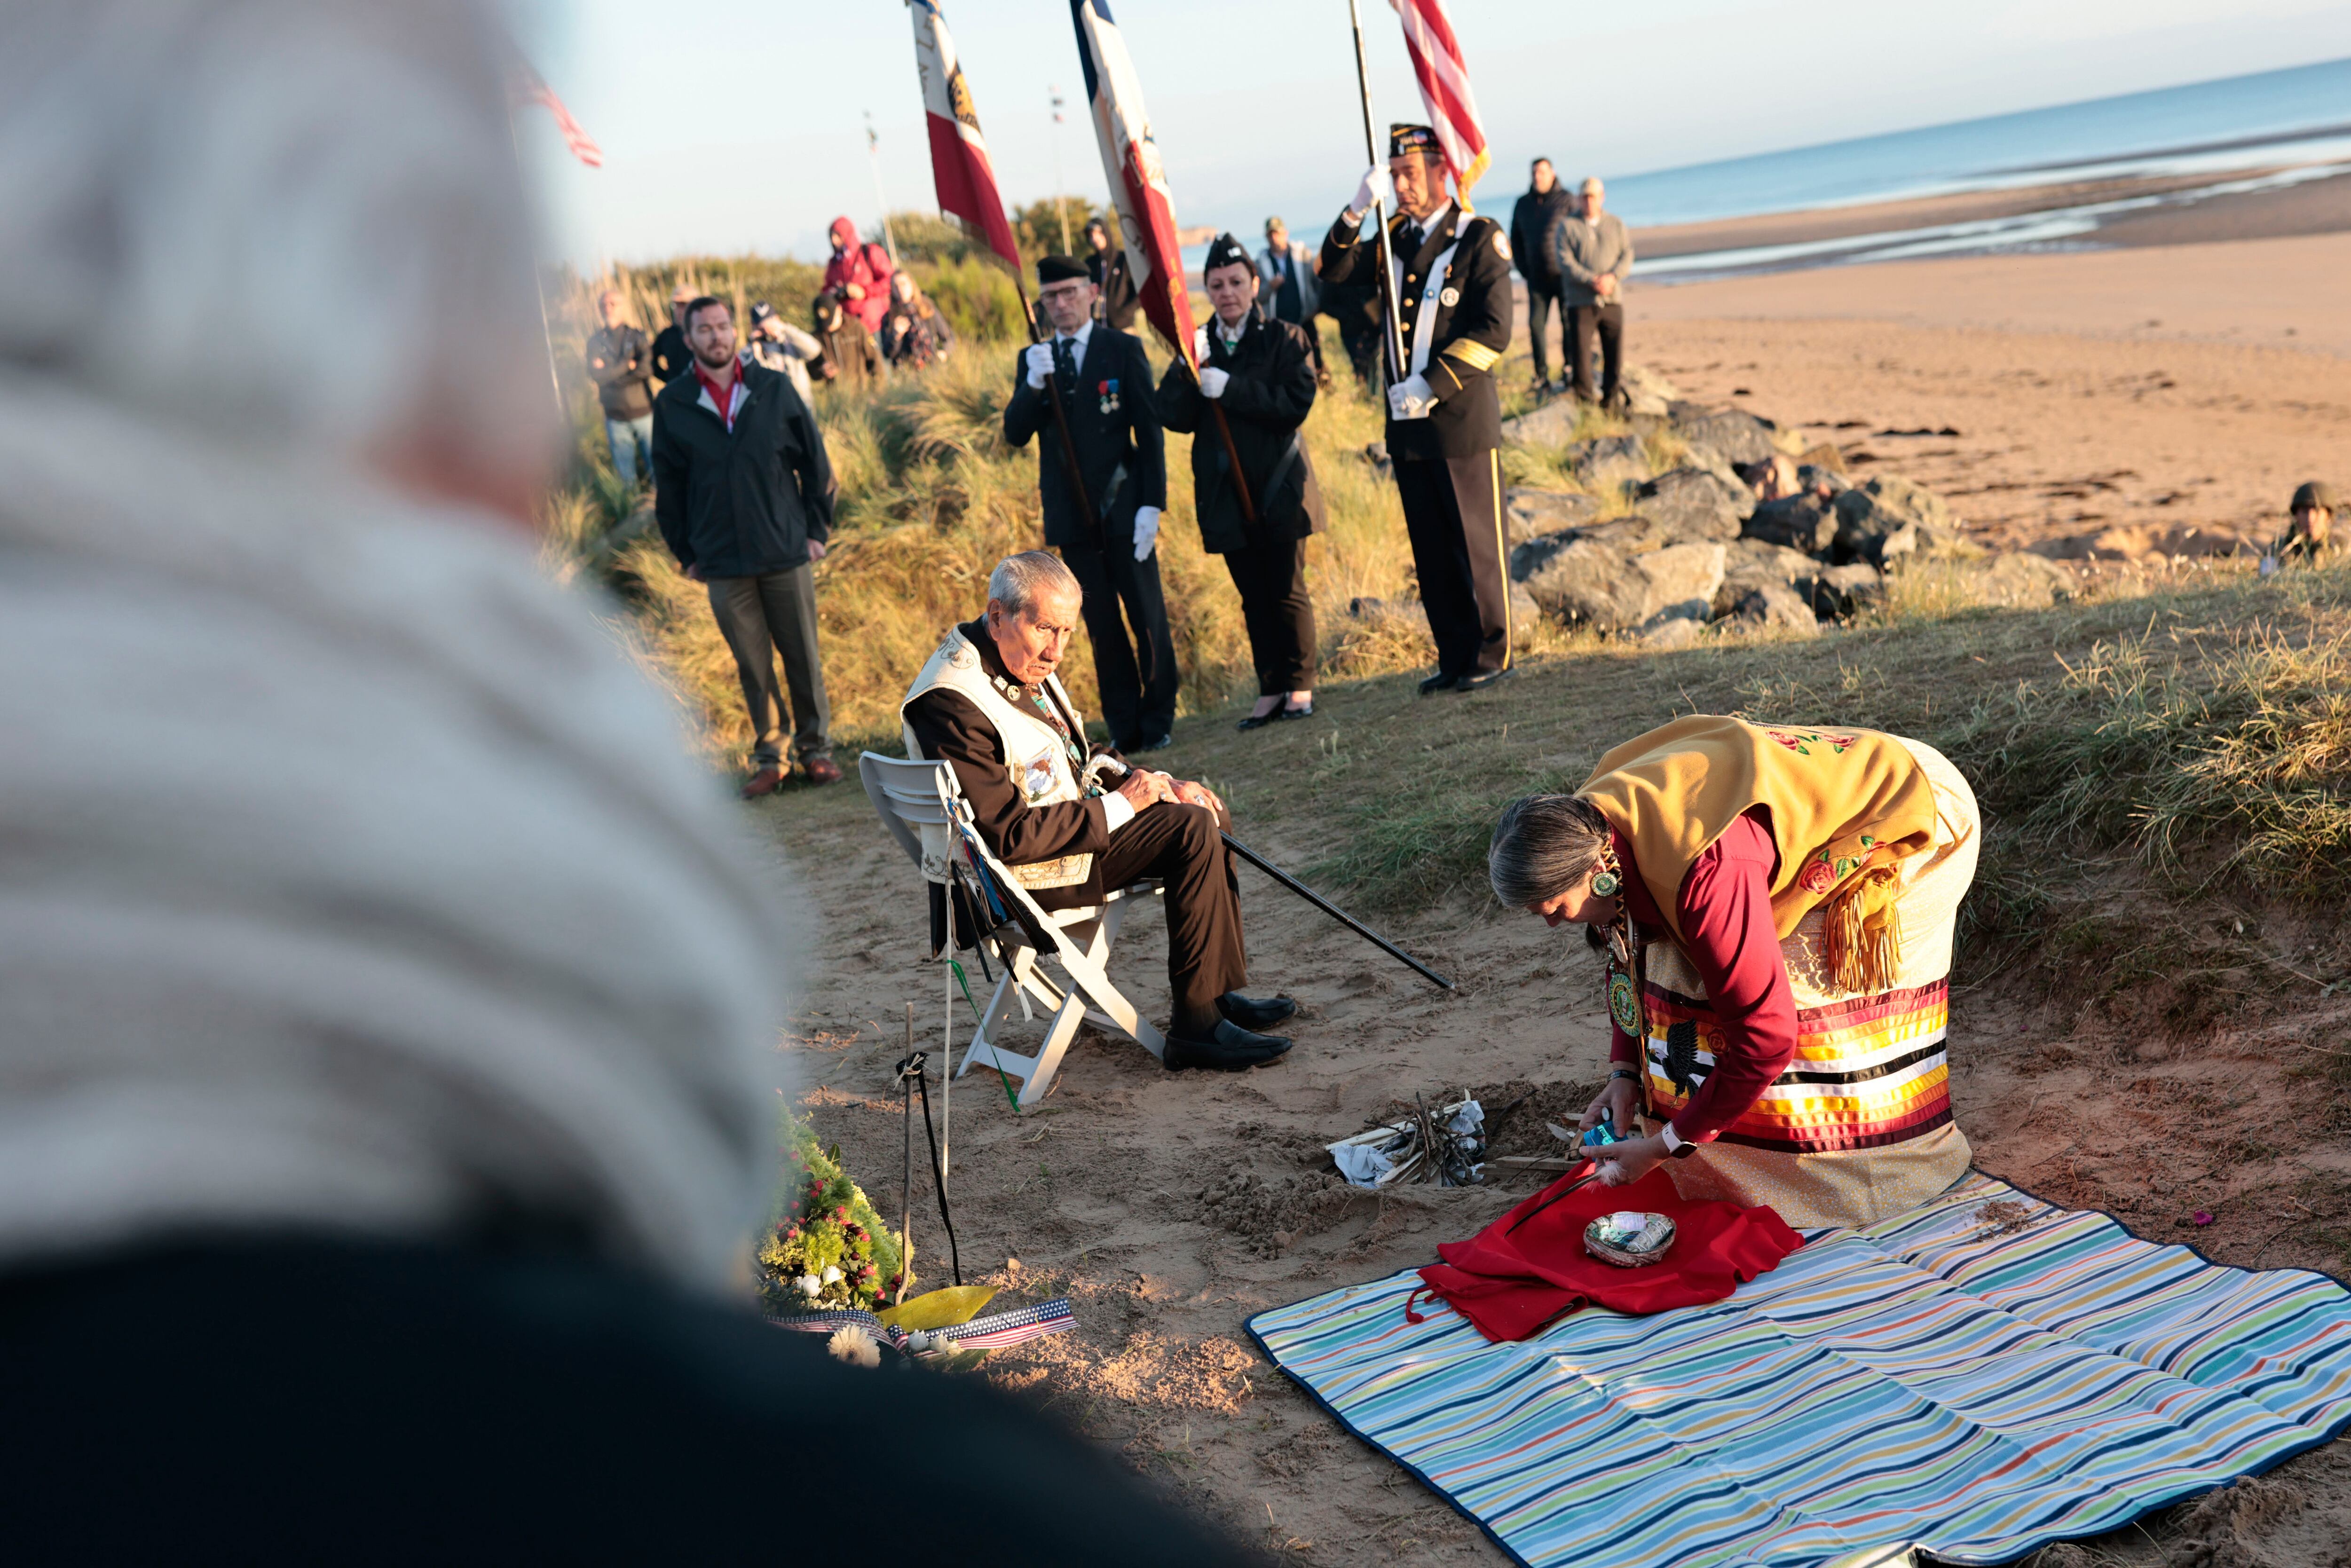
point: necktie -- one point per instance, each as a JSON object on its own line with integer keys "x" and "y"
{"x": 1411, "y": 241}
{"x": 1065, "y": 367}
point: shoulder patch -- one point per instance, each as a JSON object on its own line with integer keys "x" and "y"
{"x": 1501, "y": 243}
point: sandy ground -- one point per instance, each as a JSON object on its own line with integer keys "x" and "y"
{"x": 2070, "y": 395}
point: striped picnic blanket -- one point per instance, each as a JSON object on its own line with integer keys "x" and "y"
{"x": 1980, "y": 1377}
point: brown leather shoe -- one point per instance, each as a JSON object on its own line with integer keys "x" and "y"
{"x": 823, "y": 770}
{"x": 766, "y": 781}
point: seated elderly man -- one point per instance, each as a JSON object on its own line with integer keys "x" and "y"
{"x": 987, "y": 702}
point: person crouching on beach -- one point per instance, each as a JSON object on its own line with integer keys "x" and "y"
{"x": 2309, "y": 537}
{"x": 1261, "y": 374}
{"x": 1777, "y": 908}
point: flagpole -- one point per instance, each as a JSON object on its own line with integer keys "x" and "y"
{"x": 874, "y": 157}
{"x": 1395, "y": 336}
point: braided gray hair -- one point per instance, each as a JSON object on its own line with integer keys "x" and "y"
{"x": 1543, "y": 845}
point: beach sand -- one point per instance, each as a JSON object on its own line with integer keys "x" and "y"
{"x": 2072, "y": 395}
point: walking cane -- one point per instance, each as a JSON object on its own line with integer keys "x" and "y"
{"x": 1334, "y": 910}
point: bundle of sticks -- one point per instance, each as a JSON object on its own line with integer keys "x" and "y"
{"x": 1444, "y": 1144}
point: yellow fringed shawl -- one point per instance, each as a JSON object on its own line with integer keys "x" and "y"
{"x": 1845, "y": 805}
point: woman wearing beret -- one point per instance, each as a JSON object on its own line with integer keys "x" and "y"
{"x": 1777, "y": 908}
{"x": 1261, "y": 373}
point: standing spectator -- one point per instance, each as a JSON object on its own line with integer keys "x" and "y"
{"x": 744, "y": 495}
{"x": 913, "y": 334}
{"x": 848, "y": 358}
{"x": 619, "y": 363}
{"x": 1290, "y": 288}
{"x": 780, "y": 346}
{"x": 859, "y": 274}
{"x": 672, "y": 358}
{"x": 1108, "y": 529}
{"x": 1118, "y": 301}
{"x": 1261, "y": 373}
{"x": 1534, "y": 219}
{"x": 1595, "y": 256}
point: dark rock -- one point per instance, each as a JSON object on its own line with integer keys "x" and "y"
{"x": 1525, "y": 616}
{"x": 1668, "y": 632}
{"x": 1751, "y": 564}
{"x": 1681, "y": 580}
{"x": 1380, "y": 610}
{"x": 1692, "y": 505}
{"x": 1632, "y": 536}
{"x": 1529, "y": 514}
{"x": 1871, "y": 521}
{"x": 1772, "y": 606}
{"x": 1739, "y": 437}
{"x": 1608, "y": 460}
{"x": 1841, "y": 593}
{"x": 2019, "y": 581}
{"x": 1553, "y": 425}
{"x": 1582, "y": 582}
{"x": 1794, "y": 522}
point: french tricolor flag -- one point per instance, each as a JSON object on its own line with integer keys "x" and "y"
{"x": 959, "y": 165}
{"x": 1138, "y": 184}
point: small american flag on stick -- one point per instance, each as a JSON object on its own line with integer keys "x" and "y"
{"x": 525, "y": 86}
{"x": 1445, "y": 87}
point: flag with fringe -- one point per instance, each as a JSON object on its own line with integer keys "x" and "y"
{"x": 960, "y": 169}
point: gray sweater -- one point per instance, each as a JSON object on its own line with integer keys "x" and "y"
{"x": 1586, "y": 251}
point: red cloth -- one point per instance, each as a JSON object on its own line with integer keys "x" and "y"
{"x": 1511, "y": 1282}
{"x": 1731, "y": 939}
{"x": 868, "y": 266}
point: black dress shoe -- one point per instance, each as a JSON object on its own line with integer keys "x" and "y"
{"x": 1481, "y": 679}
{"x": 1255, "y": 1012}
{"x": 1259, "y": 721}
{"x": 1153, "y": 743}
{"x": 1306, "y": 712}
{"x": 1439, "y": 681}
{"x": 1228, "y": 1050}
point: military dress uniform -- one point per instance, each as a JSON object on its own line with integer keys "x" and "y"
{"x": 1453, "y": 285}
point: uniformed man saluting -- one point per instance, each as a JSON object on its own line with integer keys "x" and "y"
{"x": 1444, "y": 418}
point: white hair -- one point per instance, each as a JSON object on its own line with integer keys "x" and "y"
{"x": 280, "y": 221}
{"x": 1019, "y": 580}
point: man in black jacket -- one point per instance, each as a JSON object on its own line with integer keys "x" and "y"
{"x": 1444, "y": 419}
{"x": 1261, "y": 373}
{"x": 1107, "y": 525}
{"x": 673, "y": 357}
{"x": 1120, "y": 301}
{"x": 1532, "y": 218}
{"x": 744, "y": 495}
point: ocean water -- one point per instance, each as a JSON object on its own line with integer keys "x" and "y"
{"x": 2237, "y": 122}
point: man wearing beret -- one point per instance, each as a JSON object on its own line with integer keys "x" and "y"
{"x": 1106, "y": 522}
{"x": 1444, "y": 417}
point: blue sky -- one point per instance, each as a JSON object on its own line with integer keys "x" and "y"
{"x": 734, "y": 125}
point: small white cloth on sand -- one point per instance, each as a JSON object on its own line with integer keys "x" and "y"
{"x": 1361, "y": 1163}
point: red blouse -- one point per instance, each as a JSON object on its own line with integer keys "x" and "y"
{"x": 1731, "y": 939}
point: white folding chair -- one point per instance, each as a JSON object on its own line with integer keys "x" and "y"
{"x": 910, "y": 796}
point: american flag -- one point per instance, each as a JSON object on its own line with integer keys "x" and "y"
{"x": 1445, "y": 87}
{"x": 526, "y": 85}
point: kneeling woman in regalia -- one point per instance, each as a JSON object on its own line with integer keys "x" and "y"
{"x": 1776, "y": 906}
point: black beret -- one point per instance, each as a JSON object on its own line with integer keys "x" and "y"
{"x": 1224, "y": 251}
{"x": 1062, "y": 269}
{"x": 1420, "y": 139}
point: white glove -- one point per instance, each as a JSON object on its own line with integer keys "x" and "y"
{"x": 1147, "y": 531}
{"x": 1200, "y": 344}
{"x": 1212, "y": 381}
{"x": 1411, "y": 398}
{"x": 1040, "y": 364}
{"x": 1375, "y": 188}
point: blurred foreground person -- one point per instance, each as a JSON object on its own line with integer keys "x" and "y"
{"x": 621, "y": 364}
{"x": 743, "y": 491}
{"x": 2309, "y": 538}
{"x": 1260, "y": 373}
{"x": 388, "y": 1053}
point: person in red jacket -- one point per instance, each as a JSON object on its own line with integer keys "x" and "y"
{"x": 860, "y": 274}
